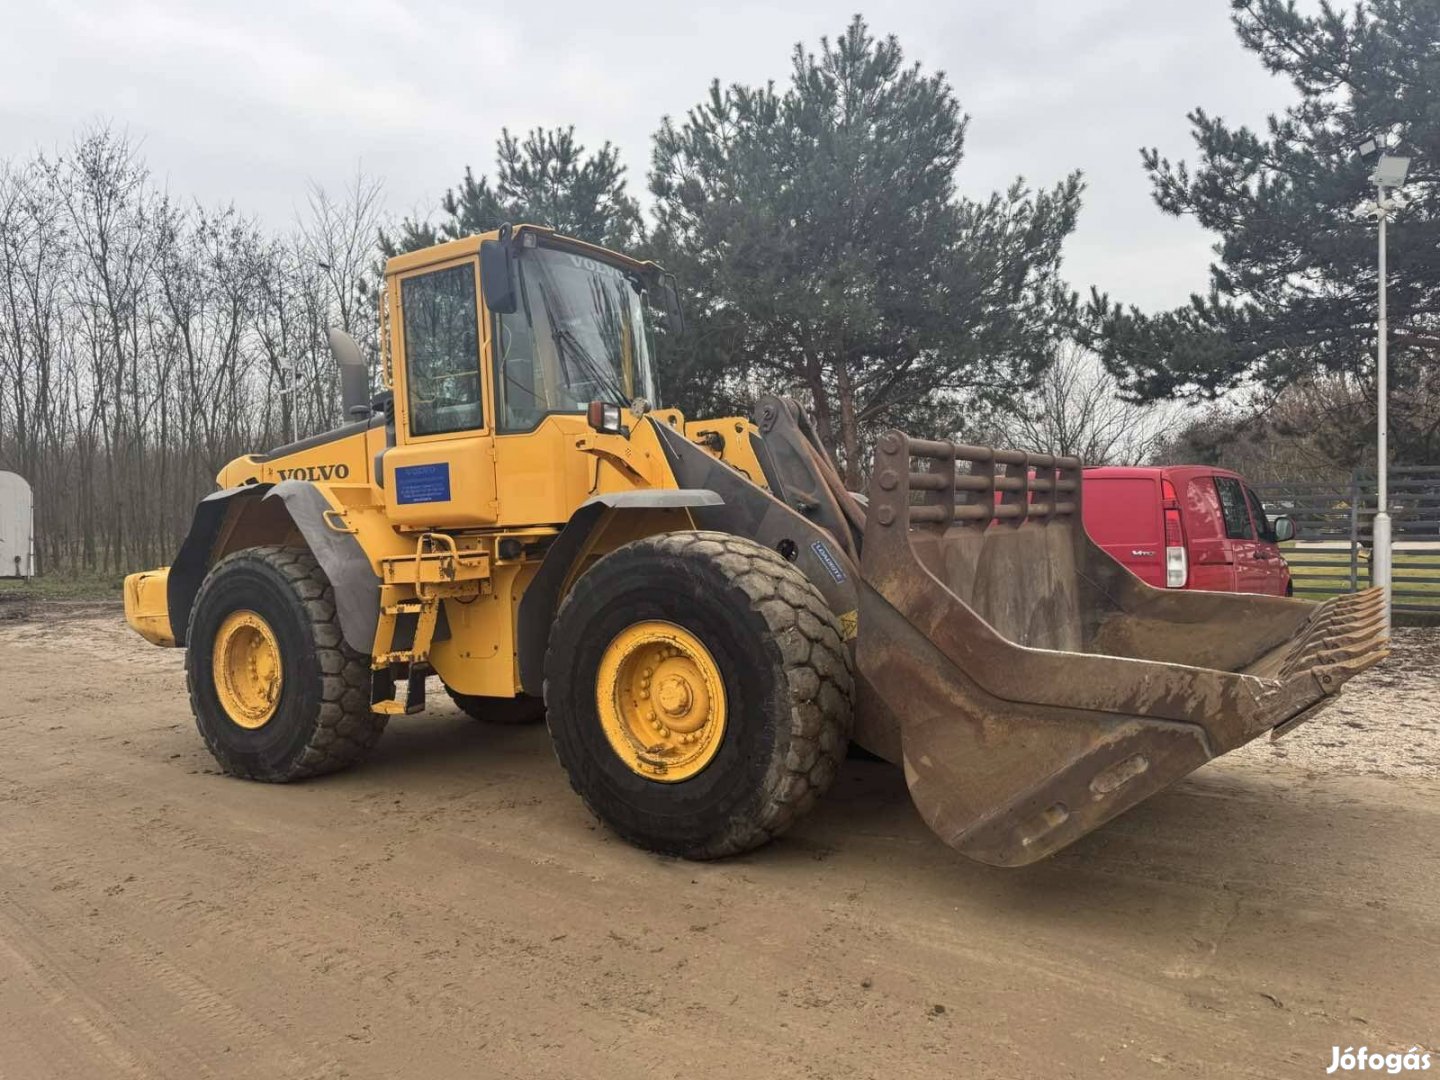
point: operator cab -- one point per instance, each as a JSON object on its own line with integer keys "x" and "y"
{"x": 491, "y": 337}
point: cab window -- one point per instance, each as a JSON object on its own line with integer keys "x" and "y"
{"x": 1263, "y": 528}
{"x": 1232, "y": 507}
{"x": 442, "y": 350}
{"x": 580, "y": 334}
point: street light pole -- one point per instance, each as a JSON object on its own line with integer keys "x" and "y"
{"x": 1381, "y": 531}
{"x": 1390, "y": 173}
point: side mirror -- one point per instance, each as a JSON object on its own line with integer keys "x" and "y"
{"x": 1283, "y": 528}
{"x": 354, "y": 374}
{"x": 497, "y": 280}
{"x": 664, "y": 299}
{"x": 673, "y": 310}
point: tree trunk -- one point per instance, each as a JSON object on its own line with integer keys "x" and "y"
{"x": 849, "y": 428}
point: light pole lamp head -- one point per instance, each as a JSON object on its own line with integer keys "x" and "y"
{"x": 1390, "y": 171}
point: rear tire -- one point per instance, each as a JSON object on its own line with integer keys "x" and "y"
{"x": 321, "y": 720}
{"x": 776, "y": 650}
{"x": 497, "y": 710}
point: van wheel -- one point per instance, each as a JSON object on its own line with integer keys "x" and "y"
{"x": 699, "y": 693}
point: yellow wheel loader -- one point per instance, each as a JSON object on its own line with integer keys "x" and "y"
{"x": 700, "y": 610}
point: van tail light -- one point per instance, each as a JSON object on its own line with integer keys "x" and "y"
{"x": 1177, "y": 565}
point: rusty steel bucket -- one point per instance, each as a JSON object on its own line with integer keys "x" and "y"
{"x": 1038, "y": 686}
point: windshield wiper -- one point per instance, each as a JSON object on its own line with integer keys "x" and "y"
{"x": 601, "y": 375}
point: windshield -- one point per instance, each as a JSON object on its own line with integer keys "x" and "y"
{"x": 579, "y": 335}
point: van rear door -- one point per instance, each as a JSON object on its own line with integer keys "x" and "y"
{"x": 1122, "y": 515}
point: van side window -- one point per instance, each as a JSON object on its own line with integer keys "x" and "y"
{"x": 1232, "y": 506}
{"x": 1262, "y": 523}
{"x": 442, "y": 350}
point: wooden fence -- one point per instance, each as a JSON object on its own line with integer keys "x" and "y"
{"x": 1334, "y": 523}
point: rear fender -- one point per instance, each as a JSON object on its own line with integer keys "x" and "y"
{"x": 289, "y": 512}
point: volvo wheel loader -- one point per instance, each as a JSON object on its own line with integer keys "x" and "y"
{"x": 702, "y": 613}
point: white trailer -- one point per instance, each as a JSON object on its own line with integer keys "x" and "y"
{"x": 17, "y": 527}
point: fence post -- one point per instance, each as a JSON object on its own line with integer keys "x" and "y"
{"x": 1355, "y": 530}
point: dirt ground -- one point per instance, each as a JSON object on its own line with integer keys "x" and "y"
{"x": 449, "y": 910}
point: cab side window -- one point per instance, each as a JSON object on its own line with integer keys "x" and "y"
{"x": 442, "y": 350}
{"x": 1262, "y": 523}
{"x": 1232, "y": 507}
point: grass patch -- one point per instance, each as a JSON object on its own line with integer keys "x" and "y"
{"x": 1416, "y": 574}
{"x": 79, "y": 585}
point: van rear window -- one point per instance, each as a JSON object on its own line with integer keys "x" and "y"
{"x": 1123, "y": 510}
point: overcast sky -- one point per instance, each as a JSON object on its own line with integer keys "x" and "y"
{"x": 247, "y": 100}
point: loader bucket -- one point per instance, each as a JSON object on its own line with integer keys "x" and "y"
{"x": 1040, "y": 688}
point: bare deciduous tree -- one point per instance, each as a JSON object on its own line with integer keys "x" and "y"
{"x": 1075, "y": 409}
{"x": 144, "y": 342}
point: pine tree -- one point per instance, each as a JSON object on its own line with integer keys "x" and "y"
{"x": 823, "y": 248}
{"x": 547, "y": 179}
{"x": 1292, "y": 293}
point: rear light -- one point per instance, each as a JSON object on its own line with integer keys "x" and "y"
{"x": 1177, "y": 566}
{"x": 604, "y": 417}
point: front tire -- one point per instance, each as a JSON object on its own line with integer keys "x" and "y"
{"x": 699, "y": 693}
{"x": 276, "y": 692}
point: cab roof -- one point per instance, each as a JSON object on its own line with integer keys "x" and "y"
{"x": 470, "y": 245}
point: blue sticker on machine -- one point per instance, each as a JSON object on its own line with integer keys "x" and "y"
{"x": 823, "y": 554}
{"x": 423, "y": 483}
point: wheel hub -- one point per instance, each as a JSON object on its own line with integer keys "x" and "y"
{"x": 246, "y": 666}
{"x": 661, "y": 701}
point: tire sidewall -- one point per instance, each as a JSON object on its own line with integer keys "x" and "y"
{"x": 629, "y": 586}
{"x": 270, "y": 751}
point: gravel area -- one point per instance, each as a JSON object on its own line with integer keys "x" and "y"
{"x": 1386, "y": 722}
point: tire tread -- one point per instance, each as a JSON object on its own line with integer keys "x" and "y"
{"x": 817, "y": 670}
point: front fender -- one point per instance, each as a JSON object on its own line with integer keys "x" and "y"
{"x": 543, "y": 595}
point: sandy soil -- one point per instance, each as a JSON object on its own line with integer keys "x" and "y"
{"x": 449, "y": 910}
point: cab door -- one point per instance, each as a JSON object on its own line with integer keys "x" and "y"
{"x": 1251, "y": 573}
{"x": 441, "y": 473}
{"x": 1267, "y": 548}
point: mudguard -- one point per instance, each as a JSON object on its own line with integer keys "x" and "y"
{"x": 750, "y": 511}
{"x": 357, "y": 587}
{"x": 192, "y": 561}
{"x": 545, "y": 591}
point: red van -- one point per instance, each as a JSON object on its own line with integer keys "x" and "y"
{"x": 1187, "y": 527}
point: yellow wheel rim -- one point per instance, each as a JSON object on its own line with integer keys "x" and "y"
{"x": 661, "y": 700}
{"x": 246, "y": 667}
